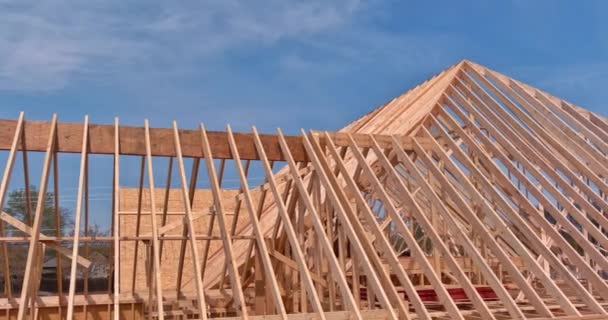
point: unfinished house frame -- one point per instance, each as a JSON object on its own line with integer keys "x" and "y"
{"x": 471, "y": 196}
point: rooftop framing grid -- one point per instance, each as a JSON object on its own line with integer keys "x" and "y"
{"x": 471, "y": 196}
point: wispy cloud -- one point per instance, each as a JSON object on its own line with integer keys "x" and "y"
{"x": 270, "y": 63}
{"x": 45, "y": 45}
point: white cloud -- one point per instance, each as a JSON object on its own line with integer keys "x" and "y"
{"x": 45, "y": 45}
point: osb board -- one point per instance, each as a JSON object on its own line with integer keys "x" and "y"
{"x": 93, "y": 312}
{"x": 203, "y": 199}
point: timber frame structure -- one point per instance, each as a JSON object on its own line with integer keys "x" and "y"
{"x": 471, "y": 196}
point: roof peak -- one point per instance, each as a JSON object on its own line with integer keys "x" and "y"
{"x": 402, "y": 114}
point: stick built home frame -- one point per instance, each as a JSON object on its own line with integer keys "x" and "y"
{"x": 471, "y": 196}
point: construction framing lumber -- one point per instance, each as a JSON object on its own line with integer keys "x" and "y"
{"x": 471, "y": 196}
{"x": 132, "y": 141}
{"x": 76, "y": 244}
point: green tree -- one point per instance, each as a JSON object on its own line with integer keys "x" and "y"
{"x": 17, "y": 204}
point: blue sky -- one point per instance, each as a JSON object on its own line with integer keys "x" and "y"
{"x": 290, "y": 64}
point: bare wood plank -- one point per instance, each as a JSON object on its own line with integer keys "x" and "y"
{"x": 586, "y": 296}
{"x": 138, "y": 221}
{"x": 288, "y": 262}
{"x": 86, "y": 231}
{"x": 235, "y": 280}
{"x": 200, "y": 295}
{"x": 132, "y": 141}
{"x": 261, "y": 243}
{"x": 561, "y": 141}
{"x": 28, "y": 230}
{"x": 459, "y": 273}
{"x": 155, "y": 244}
{"x": 533, "y": 150}
{"x": 182, "y": 250}
{"x": 116, "y": 234}
{"x": 3, "y": 188}
{"x": 377, "y": 230}
{"x": 415, "y": 249}
{"x": 484, "y": 233}
{"x": 289, "y": 229}
{"x": 260, "y": 210}
{"x": 575, "y": 119}
{"x": 75, "y": 244}
{"x": 163, "y": 221}
{"x": 33, "y": 246}
{"x": 536, "y": 243}
{"x": 239, "y": 201}
{"x": 339, "y": 277}
{"x": 601, "y": 122}
{"x": 57, "y": 220}
{"x": 357, "y": 237}
{"x": 561, "y": 219}
{"x": 577, "y": 157}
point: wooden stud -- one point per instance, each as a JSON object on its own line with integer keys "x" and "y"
{"x": 138, "y": 221}
{"x": 235, "y": 280}
{"x": 33, "y": 253}
{"x": 291, "y": 235}
{"x": 459, "y": 274}
{"x": 76, "y": 244}
{"x": 155, "y": 245}
{"x": 534, "y": 243}
{"x": 339, "y": 276}
{"x": 200, "y": 295}
{"x": 356, "y": 236}
{"x": 261, "y": 243}
{"x": 515, "y": 242}
{"x": 163, "y": 222}
{"x": 3, "y": 188}
{"x": 116, "y": 234}
{"x": 182, "y": 250}
{"x": 416, "y": 251}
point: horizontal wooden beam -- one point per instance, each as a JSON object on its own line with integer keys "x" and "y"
{"x": 28, "y": 230}
{"x": 132, "y": 140}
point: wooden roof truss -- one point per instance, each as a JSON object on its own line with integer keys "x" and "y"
{"x": 471, "y": 196}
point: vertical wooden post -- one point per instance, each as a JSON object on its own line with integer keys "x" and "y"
{"x": 58, "y": 231}
{"x": 166, "y": 204}
{"x": 138, "y": 221}
{"x": 155, "y": 246}
{"x": 116, "y": 189}
{"x": 182, "y": 250}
